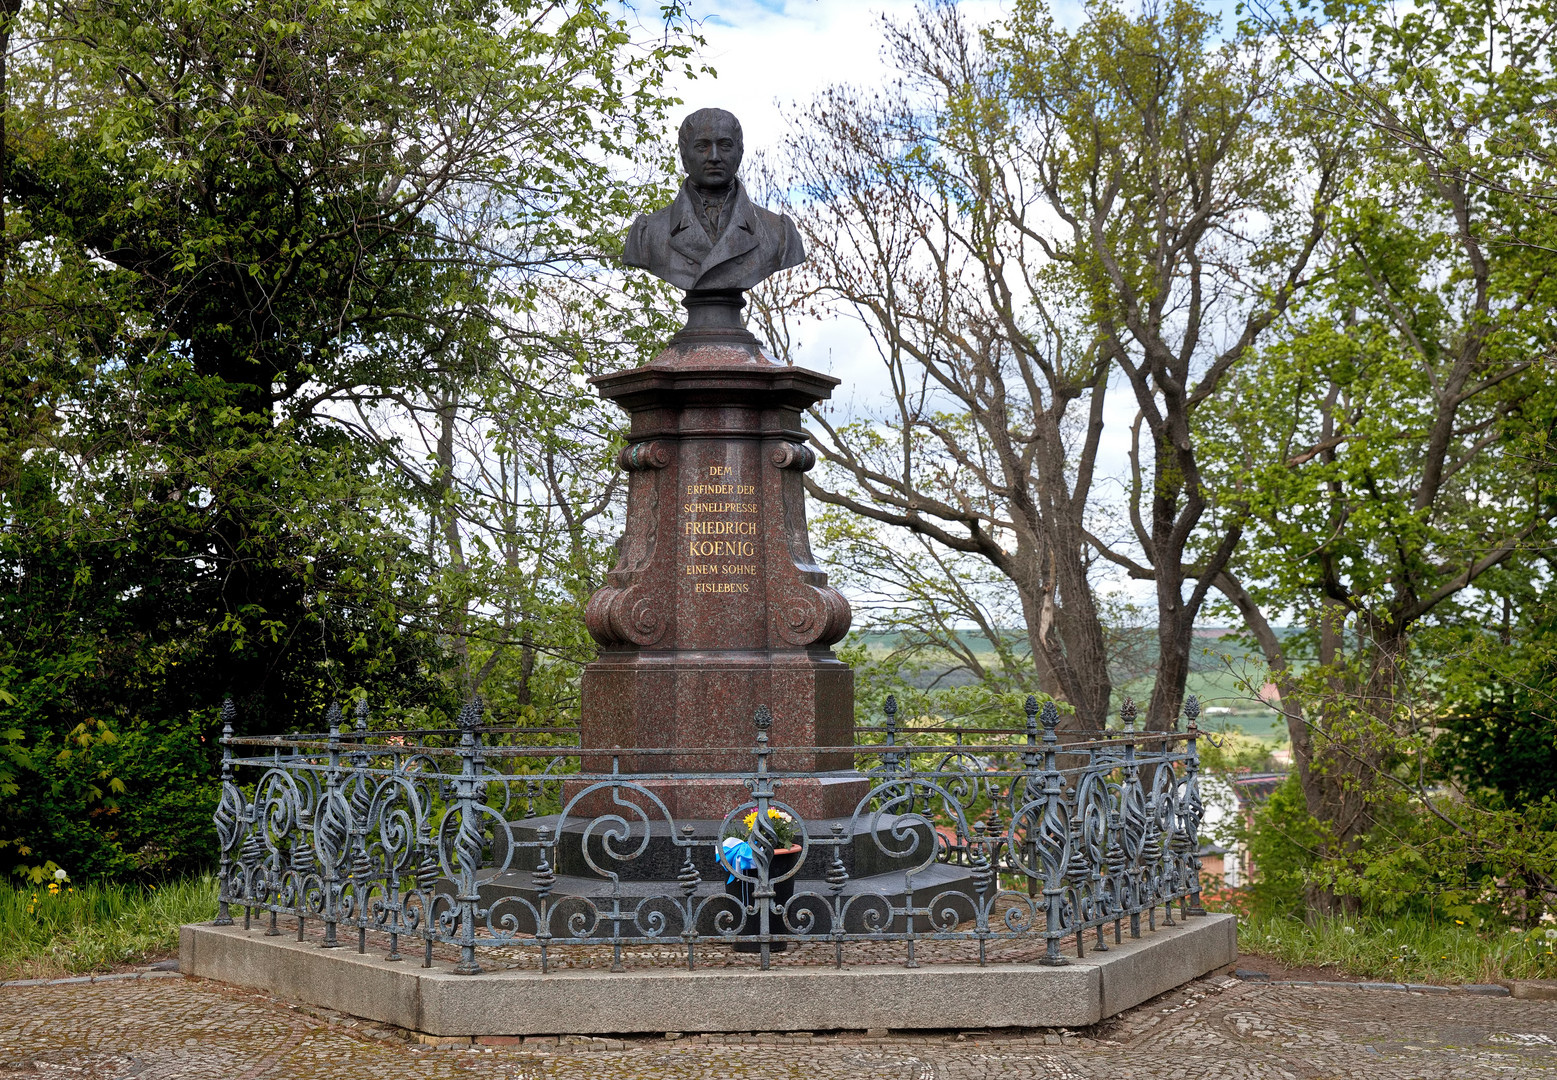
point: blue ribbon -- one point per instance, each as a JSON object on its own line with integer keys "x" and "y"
{"x": 736, "y": 855}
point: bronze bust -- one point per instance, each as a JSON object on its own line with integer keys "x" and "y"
{"x": 712, "y": 238}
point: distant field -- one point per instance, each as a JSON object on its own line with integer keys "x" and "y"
{"x": 1223, "y": 678}
{"x": 1218, "y": 690}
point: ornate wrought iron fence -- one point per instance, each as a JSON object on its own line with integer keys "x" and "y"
{"x": 402, "y": 834}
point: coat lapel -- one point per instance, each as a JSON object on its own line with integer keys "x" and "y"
{"x": 686, "y": 235}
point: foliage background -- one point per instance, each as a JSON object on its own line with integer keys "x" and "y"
{"x": 249, "y": 248}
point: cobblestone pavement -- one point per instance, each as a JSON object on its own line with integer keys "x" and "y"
{"x": 1214, "y": 1029}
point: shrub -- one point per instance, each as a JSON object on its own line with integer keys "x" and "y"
{"x": 134, "y": 806}
{"x": 1283, "y": 841}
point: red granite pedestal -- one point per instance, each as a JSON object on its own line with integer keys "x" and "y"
{"x": 716, "y": 605}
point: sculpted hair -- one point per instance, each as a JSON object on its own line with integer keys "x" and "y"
{"x": 684, "y": 133}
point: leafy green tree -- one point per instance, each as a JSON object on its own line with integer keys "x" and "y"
{"x": 516, "y": 463}
{"x": 1393, "y": 448}
{"x": 1032, "y": 217}
{"x": 1497, "y": 734}
{"x": 227, "y": 226}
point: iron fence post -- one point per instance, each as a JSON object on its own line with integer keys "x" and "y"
{"x": 394, "y": 864}
{"x": 227, "y": 820}
{"x": 468, "y": 840}
{"x": 764, "y": 840}
{"x": 1195, "y": 810}
{"x": 1118, "y": 871}
{"x": 427, "y": 888}
{"x": 1096, "y": 853}
{"x": 361, "y": 807}
{"x": 1132, "y": 811}
{"x": 277, "y": 873}
{"x": 689, "y": 879}
{"x": 543, "y": 878}
{"x": 837, "y": 878}
{"x": 983, "y": 876}
{"x": 891, "y": 760}
{"x": 332, "y": 830}
{"x": 1053, "y": 839}
{"x": 1031, "y": 761}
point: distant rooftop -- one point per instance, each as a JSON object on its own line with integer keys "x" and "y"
{"x": 1256, "y": 787}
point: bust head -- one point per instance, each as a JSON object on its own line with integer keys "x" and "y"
{"x": 711, "y": 148}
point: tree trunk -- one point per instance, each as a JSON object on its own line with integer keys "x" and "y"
{"x": 1175, "y": 639}
{"x": 8, "y": 11}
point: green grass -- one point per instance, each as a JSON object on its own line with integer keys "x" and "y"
{"x": 46, "y": 934}
{"x": 1403, "y": 950}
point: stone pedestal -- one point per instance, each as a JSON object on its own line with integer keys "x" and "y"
{"x": 716, "y": 604}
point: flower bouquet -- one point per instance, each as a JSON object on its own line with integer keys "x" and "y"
{"x": 735, "y": 852}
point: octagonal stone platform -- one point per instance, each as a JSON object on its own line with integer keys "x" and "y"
{"x": 787, "y": 998}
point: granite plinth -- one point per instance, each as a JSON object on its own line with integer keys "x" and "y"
{"x": 891, "y": 864}
{"x": 716, "y": 556}
{"x": 705, "y": 698}
{"x": 716, "y": 605}
{"x": 695, "y": 798}
{"x": 650, "y": 852}
{"x": 947, "y": 890}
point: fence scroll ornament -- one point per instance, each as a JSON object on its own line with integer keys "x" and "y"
{"x": 394, "y": 834}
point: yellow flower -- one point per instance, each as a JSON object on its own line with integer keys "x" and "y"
{"x": 774, "y": 814}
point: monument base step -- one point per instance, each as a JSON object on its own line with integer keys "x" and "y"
{"x": 875, "y": 844}
{"x": 942, "y": 887}
{"x": 437, "y": 1002}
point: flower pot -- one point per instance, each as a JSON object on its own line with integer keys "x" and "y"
{"x": 783, "y": 861}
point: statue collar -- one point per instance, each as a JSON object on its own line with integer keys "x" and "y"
{"x": 688, "y": 236}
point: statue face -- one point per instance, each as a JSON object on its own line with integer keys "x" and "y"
{"x": 713, "y": 153}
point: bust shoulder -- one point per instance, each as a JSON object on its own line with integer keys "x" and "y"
{"x": 781, "y": 229}
{"x": 637, "y": 249}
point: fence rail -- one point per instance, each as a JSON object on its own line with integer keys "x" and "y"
{"x": 483, "y": 843}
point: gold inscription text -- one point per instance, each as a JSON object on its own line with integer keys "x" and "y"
{"x": 705, "y": 548}
{"x": 718, "y": 508}
{"x": 719, "y": 528}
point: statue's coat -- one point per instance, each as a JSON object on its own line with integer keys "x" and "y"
{"x": 672, "y": 244}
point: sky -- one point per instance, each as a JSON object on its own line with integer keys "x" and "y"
{"x": 771, "y": 55}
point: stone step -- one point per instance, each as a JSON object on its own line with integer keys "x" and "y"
{"x": 648, "y": 851}
{"x": 868, "y": 901}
